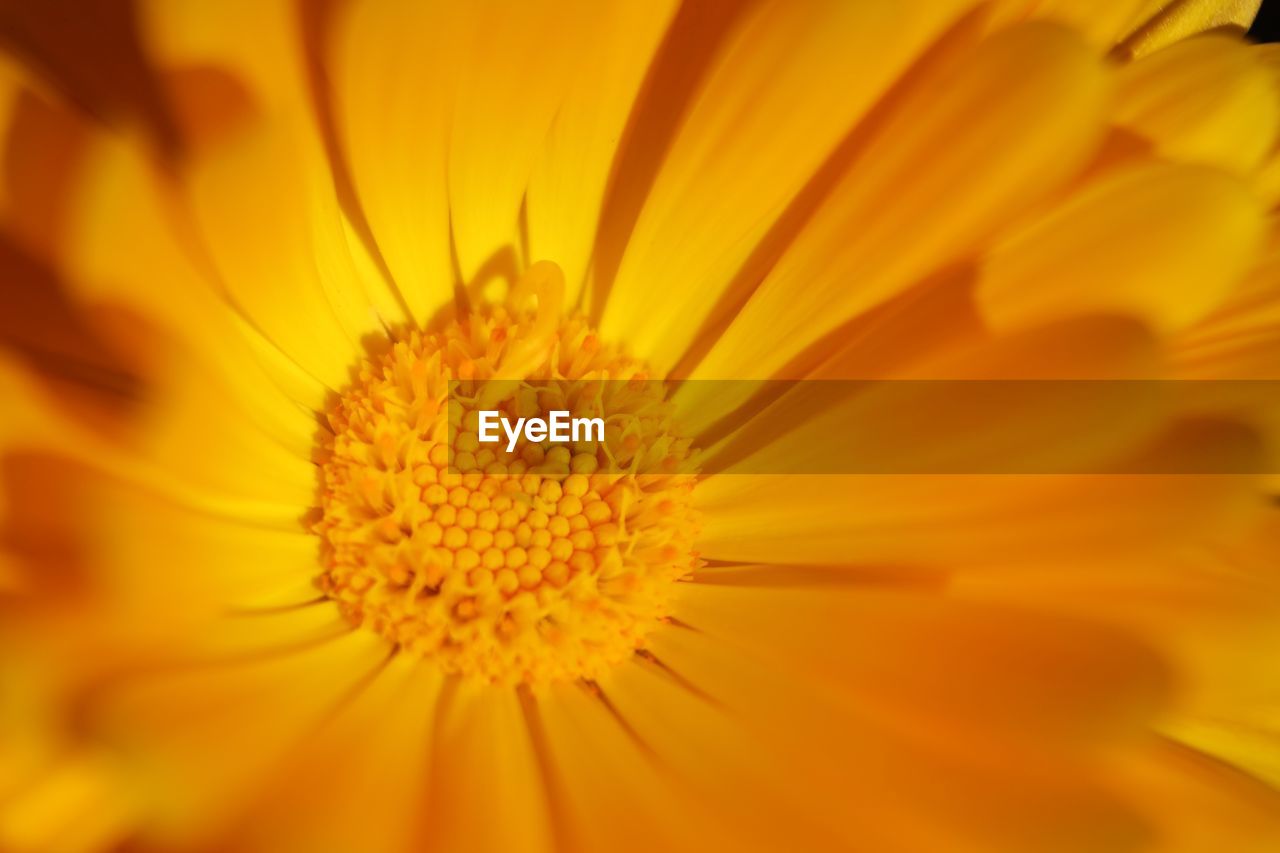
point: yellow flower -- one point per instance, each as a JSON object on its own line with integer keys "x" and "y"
{"x": 248, "y": 604}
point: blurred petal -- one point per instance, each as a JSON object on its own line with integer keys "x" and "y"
{"x": 928, "y": 419}
{"x": 918, "y": 659}
{"x": 957, "y": 520}
{"x": 38, "y": 426}
{"x": 1103, "y": 21}
{"x": 610, "y": 786}
{"x": 1241, "y": 340}
{"x": 358, "y": 783}
{"x": 76, "y": 806}
{"x": 264, "y": 248}
{"x": 127, "y": 246}
{"x": 780, "y": 753}
{"x": 175, "y": 727}
{"x": 1197, "y": 804}
{"x": 1164, "y": 243}
{"x": 265, "y": 57}
{"x": 1206, "y": 100}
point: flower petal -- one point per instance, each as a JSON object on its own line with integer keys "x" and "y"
{"x": 1206, "y": 100}
{"x": 266, "y": 57}
{"x": 1241, "y": 340}
{"x": 792, "y": 81}
{"x": 952, "y": 411}
{"x": 125, "y": 247}
{"x": 1171, "y": 21}
{"x": 374, "y": 756}
{"x": 613, "y": 795}
{"x": 486, "y": 760}
{"x": 268, "y": 69}
{"x": 393, "y": 71}
{"x": 177, "y": 726}
{"x": 1164, "y": 243}
{"x": 777, "y": 752}
{"x": 1004, "y": 674}
{"x": 875, "y": 519}
{"x": 515, "y": 67}
{"x": 908, "y": 206}
{"x": 1197, "y": 804}
{"x": 37, "y": 425}
{"x": 1104, "y": 22}
{"x": 264, "y": 246}
{"x": 567, "y": 182}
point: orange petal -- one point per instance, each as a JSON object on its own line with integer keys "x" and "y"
{"x": 486, "y": 761}
{"x": 1004, "y": 674}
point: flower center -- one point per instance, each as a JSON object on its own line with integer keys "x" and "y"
{"x": 553, "y": 562}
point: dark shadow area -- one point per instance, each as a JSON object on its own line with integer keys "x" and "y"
{"x": 1266, "y": 27}
{"x": 90, "y": 50}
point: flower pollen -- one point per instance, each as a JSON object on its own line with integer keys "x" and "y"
{"x": 550, "y": 563}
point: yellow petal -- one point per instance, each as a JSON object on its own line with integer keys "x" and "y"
{"x": 1173, "y": 21}
{"x": 38, "y": 424}
{"x": 1205, "y": 100}
{"x": 1231, "y": 343}
{"x": 1207, "y": 611}
{"x": 266, "y": 57}
{"x": 126, "y": 574}
{"x": 393, "y": 72}
{"x": 792, "y": 80}
{"x": 255, "y": 207}
{"x": 175, "y": 728}
{"x": 910, "y": 206}
{"x": 1163, "y": 243}
{"x": 1104, "y": 22}
{"x": 515, "y": 64}
{"x": 271, "y": 63}
{"x": 125, "y": 248}
{"x": 1248, "y": 739}
{"x": 81, "y": 805}
{"x": 199, "y": 433}
{"x": 226, "y": 564}
{"x": 567, "y": 183}
{"x": 1268, "y": 178}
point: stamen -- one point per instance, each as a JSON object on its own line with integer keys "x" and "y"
{"x": 549, "y": 565}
